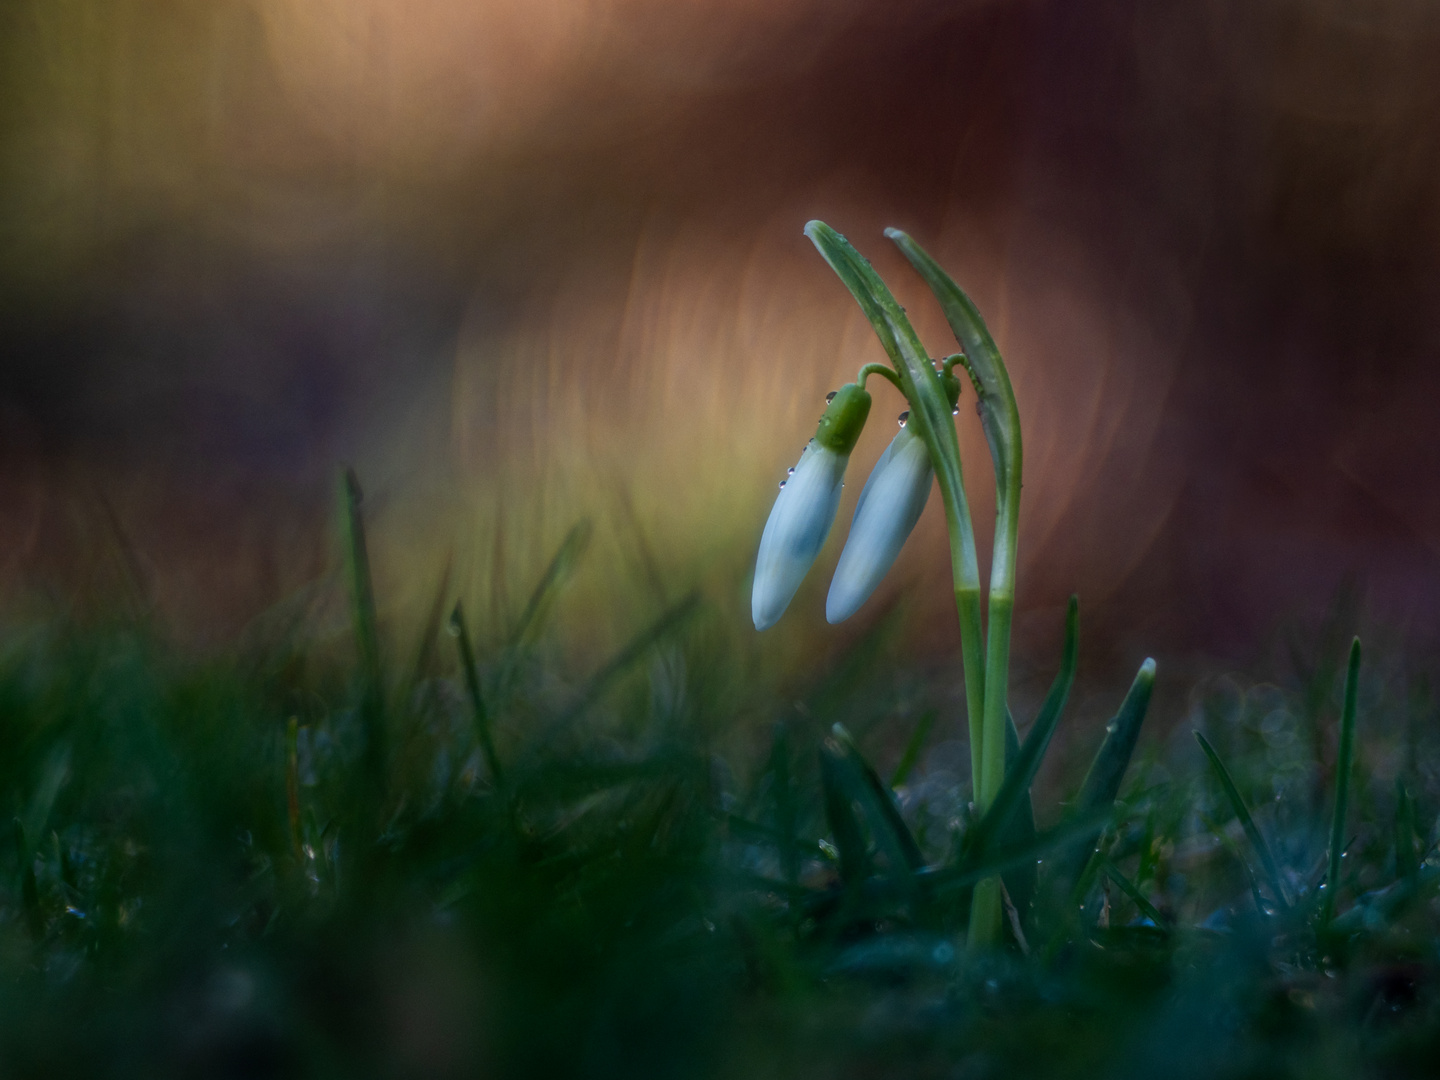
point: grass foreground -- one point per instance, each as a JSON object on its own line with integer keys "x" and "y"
{"x": 304, "y": 858}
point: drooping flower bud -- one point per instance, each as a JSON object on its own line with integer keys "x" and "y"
{"x": 891, "y": 503}
{"x": 889, "y": 507}
{"x": 805, "y": 509}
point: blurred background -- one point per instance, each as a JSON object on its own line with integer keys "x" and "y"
{"x": 527, "y": 261}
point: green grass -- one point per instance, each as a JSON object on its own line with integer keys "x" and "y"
{"x": 431, "y": 856}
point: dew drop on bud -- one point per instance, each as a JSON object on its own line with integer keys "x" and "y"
{"x": 790, "y": 471}
{"x": 831, "y": 396}
{"x": 782, "y": 483}
{"x": 904, "y": 416}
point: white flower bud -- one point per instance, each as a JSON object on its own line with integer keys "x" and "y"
{"x": 799, "y": 523}
{"x": 890, "y": 505}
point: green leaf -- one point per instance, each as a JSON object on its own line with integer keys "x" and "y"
{"x": 1343, "y": 768}
{"x": 1252, "y": 831}
{"x": 999, "y": 414}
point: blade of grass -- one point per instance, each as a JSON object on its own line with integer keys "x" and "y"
{"x": 561, "y": 569}
{"x": 1252, "y": 831}
{"x": 1107, "y": 771}
{"x": 669, "y": 622}
{"x": 890, "y": 829}
{"x": 1343, "y": 763}
{"x": 913, "y": 746}
{"x": 478, "y": 710}
{"x": 429, "y": 632}
{"x": 362, "y": 599}
{"x": 1129, "y": 888}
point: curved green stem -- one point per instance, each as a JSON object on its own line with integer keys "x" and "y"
{"x": 879, "y": 369}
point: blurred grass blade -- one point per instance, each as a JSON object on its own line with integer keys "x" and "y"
{"x": 642, "y": 643}
{"x": 362, "y": 589}
{"x": 1130, "y": 889}
{"x": 429, "y": 633}
{"x": 562, "y": 567}
{"x": 1406, "y": 864}
{"x": 1343, "y": 768}
{"x": 479, "y": 713}
{"x": 1019, "y": 777}
{"x": 362, "y": 599}
{"x": 1252, "y": 831}
{"x": 913, "y": 746}
{"x": 839, "y": 795}
{"x": 891, "y": 832}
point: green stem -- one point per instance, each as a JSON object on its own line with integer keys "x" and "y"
{"x": 883, "y": 370}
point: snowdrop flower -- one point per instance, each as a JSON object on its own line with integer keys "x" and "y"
{"x": 805, "y": 509}
{"x": 889, "y": 506}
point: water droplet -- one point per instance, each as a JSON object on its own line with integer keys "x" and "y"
{"x": 904, "y": 416}
{"x": 454, "y": 625}
{"x": 955, "y": 411}
{"x": 1111, "y": 728}
{"x": 782, "y": 483}
{"x": 831, "y": 396}
{"x": 790, "y": 471}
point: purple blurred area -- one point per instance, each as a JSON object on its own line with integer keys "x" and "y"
{"x": 530, "y": 250}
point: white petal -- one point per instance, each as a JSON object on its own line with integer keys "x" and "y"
{"x": 891, "y": 504}
{"x": 799, "y": 522}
